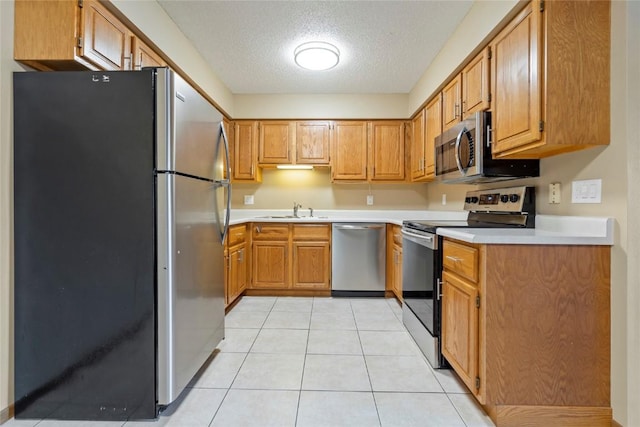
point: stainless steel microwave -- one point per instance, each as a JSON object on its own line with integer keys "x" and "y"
{"x": 463, "y": 155}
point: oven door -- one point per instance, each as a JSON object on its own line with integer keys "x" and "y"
{"x": 421, "y": 271}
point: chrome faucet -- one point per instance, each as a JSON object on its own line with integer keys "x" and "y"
{"x": 296, "y": 206}
{"x": 310, "y": 211}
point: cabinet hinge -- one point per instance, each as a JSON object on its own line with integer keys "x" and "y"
{"x": 490, "y": 54}
{"x": 477, "y": 382}
{"x": 80, "y": 3}
{"x": 541, "y": 125}
{"x": 489, "y": 98}
{"x": 542, "y": 6}
{"x": 477, "y": 302}
{"x": 80, "y": 42}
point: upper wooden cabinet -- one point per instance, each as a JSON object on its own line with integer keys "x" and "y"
{"x": 426, "y": 125}
{"x": 475, "y": 84}
{"x": 275, "y": 142}
{"x": 433, "y": 128}
{"x": 386, "y": 150}
{"x": 70, "y": 35}
{"x": 451, "y": 103}
{"x": 244, "y": 152}
{"x": 349, "y": 151}
{"x": 368, "y": 151}
{"x": 417, "y": 146}
{"x": 144, "y": 56}
{"x": 312, "y": 142}
{"x": 550, "y": 79}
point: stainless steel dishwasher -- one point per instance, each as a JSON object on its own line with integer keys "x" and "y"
{"x": 358, "y": 259}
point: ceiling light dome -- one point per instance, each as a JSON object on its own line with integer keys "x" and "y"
{"x": 316, "y": 56}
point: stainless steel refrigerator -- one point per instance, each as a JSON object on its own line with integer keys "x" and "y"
{"x": 121, "y": 209}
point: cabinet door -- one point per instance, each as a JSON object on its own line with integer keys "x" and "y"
{"x": 106, "y": 41}
{"x": 460, "y": 327}
{"x": 451, "y": 98}
{"x": 397, "y": 271}
{"x": 144, "y": 56}
{"x": 270, "y": 265}
{"x": 312, "y": 142}
{"x": 349, "y": 151}
{"x": 311, "y": 265}
{"x": 433, "y": 128}
{"x": 386, "y": 145}
{"x": 418, "y": 146}
{"x": 275, "y": 143}
{"x": 244, "y": 152}
{"x": 237, "y": 273}
{"x": 475, "y": 84}
{"x": 516, "y": 82}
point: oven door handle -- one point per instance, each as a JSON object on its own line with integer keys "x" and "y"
{"x": 420, "y": 239}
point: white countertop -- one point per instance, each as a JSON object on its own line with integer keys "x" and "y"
{"x": 549, "y": 229}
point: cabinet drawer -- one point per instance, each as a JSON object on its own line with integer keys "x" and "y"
{"x": 237, "y": 234}
{"x": 311, "y": 232}
{"x": 270, "y": 231}
{"x": 460, "y": 259}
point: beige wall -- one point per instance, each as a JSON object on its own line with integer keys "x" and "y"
{"x": 620, "y": 182}
{"x": 6, "y": 207}
{"x": 153, "y": 21}
{"x": 280, "y": 188}
{"x": 343, "y": 106}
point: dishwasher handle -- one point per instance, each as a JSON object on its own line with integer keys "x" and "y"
{"x": 359, "y": 227}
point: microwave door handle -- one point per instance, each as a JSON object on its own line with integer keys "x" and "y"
{"x": 458, "y": 140}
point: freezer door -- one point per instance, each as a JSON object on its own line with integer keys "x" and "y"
{"x": 189, "y": 128}
{"x": 190, "y": 281}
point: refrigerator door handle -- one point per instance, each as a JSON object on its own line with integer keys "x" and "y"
{"x": 226, "y": 182}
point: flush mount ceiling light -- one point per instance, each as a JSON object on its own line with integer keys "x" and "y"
{"x": 316, "y": 56}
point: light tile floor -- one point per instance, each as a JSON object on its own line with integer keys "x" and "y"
{"x": 305, "y": 362}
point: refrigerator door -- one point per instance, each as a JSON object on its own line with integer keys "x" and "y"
{"x": 190, "y": 233}
{"x": 85, "y": 263}
{"x": 190, "y": 281}
{"x": 192, "y": 128}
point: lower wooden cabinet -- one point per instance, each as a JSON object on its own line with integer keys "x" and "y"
{"x": 236, "y": 263}
{"x": 394, "y": 261}
{"x": 527, "y": 329}
{"x": 291, "y": 257}
{"x": 237, "y": 271}
{"x": 460, "y": 320}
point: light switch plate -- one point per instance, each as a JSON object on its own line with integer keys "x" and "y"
{"x": 248, "y": 200}
{"x": 586, "y": 191}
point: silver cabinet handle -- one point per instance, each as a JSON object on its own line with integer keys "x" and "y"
{"x": 438, "y": 289}
{"x": 453, "y": 258}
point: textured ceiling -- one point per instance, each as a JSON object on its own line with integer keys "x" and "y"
{"x": 385, "y": 46}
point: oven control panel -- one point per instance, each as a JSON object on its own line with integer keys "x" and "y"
{"x": 511, "y": 199}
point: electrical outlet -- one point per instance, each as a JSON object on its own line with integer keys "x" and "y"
{"x": 370, "y": 200}
{"x": 554, "y": 193}
{"x": 248, "y": 200}
{"x": 444, "y": 199}
{"x": 587, "y": 191}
